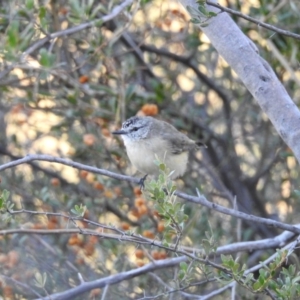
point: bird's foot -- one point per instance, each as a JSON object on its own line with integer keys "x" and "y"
{"x": 142, "y": 182}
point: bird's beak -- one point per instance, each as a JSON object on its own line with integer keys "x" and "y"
{"x": 119, "y": 132}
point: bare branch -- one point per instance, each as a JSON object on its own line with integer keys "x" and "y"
{"x": 113, "y": 279}
{"x": 199, "y": 200}
{"x": 69, "y": 163}
{"x": 275, "y": 242}
{"x": 227, "y": 211}
{"x": 259, "y": 23}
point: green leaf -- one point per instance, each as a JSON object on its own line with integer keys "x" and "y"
{"x": 29, "y": 4}
{"x": 195, "y": 21}
{"x": 42, "y": 12}
{"x": 76, "y": 9}
{"x": 183, "y": 266}
{"x": 204, "y": 24}
{"x": 256, "y": 286}
{"x": 236, "y": 268}
{"x": 191, "y": 10}
{"x": 212, "y": 14}
{"x": 46, "y": 58}
{"x": 13, "y": 34}
{"x": 79, "y": 210}
{"x": 206, "y": 246}
{"x": 40, "y": 279}
{"x": 224, "y": 258}
{"x": 296, "y": 279}
{"x": 292, "y": 270}
{"x": 203, "y": 10}
{"x": 248, "y": 278}
{"x": 162, "y": 166}
{"x": 72, "y": 99}
{"x": 5, "y": 195}
{"x": 181, "y": 274}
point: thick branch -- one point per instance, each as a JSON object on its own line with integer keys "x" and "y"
{"x": 259, "y": 78}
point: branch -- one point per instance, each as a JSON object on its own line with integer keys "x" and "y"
{"x": 77, "y": 188}
{"x": 201, "y": 76}
{"x": 290, "y": 247}
{"x": 70, "y": 163}
{"x": 198, "y": 200}
{"x": 113, "y": 279}
{"x": 262, "y": 24}
{"x": 268, "y": 243}
{"x": 276, "y": 242}
{"x": 242, "y": 56}
{"x": 227, "y": 211}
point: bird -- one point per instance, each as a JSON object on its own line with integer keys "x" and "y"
{"x": 148, "y": 139}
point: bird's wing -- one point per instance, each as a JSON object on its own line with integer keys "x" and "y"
{"x": 177, "y": 141}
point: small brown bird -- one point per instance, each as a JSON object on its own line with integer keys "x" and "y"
{"x": 148, "y": 139}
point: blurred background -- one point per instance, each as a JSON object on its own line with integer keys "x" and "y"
{"x": 64, "y": 99}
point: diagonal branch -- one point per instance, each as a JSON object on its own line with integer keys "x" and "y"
{"x": 195, "y": 199}
{"x": 67, "y": 162}
{"x": 113, "y": 279}
{"x": 253, "y": 20}
{"x": 242, "y": 56}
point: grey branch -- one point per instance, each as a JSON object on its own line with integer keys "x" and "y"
{"x": 275, "y": 242}
{"x": 195, "y": 199}
{"x": 113, "y": 279}
{"x": 242, "y": 56}
{"x": 227, "y": 211}
{"x": 70, "y": 163}
{"x": 290, "y": 247}
{"x": 259, "y": 23}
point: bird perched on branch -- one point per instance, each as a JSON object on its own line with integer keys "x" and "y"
{"x": 147, "y": 139}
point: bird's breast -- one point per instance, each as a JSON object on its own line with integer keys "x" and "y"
{"x": 143, "y": 154}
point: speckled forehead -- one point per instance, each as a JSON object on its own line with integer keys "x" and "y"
{"x": 130, "y": 122}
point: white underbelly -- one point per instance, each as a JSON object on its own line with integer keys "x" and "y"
{"x": 143, "y": 155}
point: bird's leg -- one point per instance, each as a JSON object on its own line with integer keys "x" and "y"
{"x": 142, "y": 182}
{"x": 165, "y": 191}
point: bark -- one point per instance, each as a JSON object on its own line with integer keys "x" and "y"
{"x": 242, "y": 56}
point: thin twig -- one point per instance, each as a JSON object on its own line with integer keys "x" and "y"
{"x": 38, "y": 44}
{"x": 259, "y": 23}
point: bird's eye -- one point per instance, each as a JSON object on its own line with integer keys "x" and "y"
{"x": 135, "y": 129}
